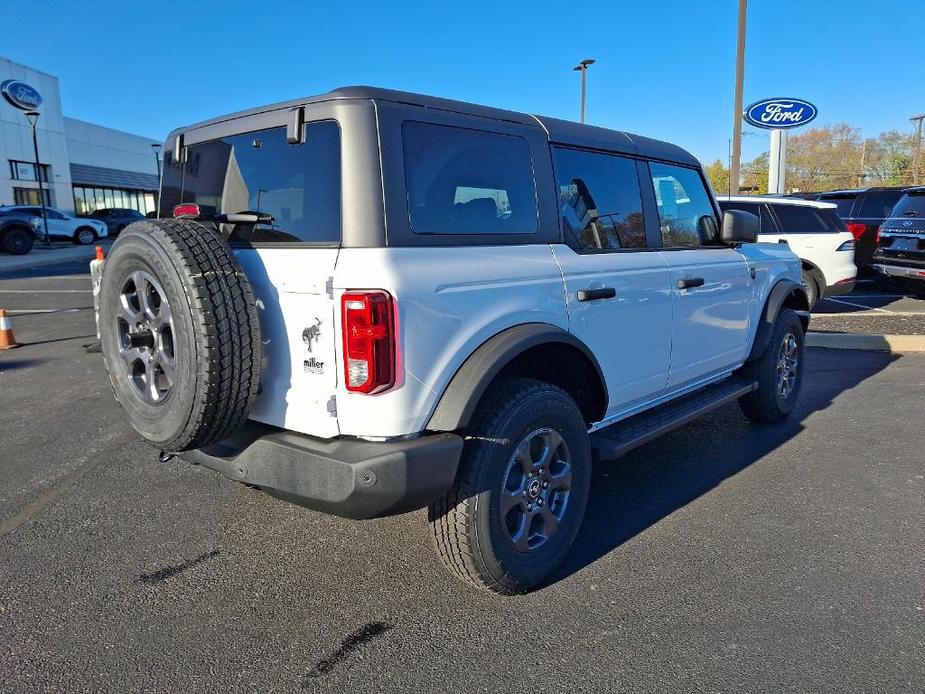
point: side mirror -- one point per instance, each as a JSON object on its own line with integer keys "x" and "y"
{"x": 739, "y": 227}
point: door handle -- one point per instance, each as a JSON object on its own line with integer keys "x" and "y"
{"x": 689, "y": 282}
{"x": 592, "y": 294}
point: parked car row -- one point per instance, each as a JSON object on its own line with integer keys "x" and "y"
{"x": 61, "y": 225}
{"x": 888, "y": 224}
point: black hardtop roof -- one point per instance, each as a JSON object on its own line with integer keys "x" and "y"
{"x": 558, "y": 131}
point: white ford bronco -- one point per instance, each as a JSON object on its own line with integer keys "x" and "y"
{"x": 369, "y": 302}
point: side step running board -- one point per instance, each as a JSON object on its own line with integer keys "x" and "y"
{"x": 634, "y": 431}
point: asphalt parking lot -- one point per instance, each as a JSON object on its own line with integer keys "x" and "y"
{"x": 722, "y": 557}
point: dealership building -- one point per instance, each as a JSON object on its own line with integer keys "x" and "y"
{"x": 83, "y": 166}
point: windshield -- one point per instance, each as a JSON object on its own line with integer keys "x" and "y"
{"x": 911, "y": 205}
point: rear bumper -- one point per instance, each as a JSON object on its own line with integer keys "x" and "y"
{"x": 344, "y": 477}
{"x": 840, "y": 288}
{"x": 908, "y": 270}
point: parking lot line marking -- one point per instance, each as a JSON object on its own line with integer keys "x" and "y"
{"x": 45, "y": 291}
{"x": 866, "y": 314}
{"x": 866, "y": 308}
{"x": 27, "y": 311}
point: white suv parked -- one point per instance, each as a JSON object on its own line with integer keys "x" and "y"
{"x": 814, "y": 231}
{"x": 369, "y": 302}
{"x": 80, "y": 230}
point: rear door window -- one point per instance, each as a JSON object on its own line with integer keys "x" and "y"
{"x": 600, "y": 203}
{"x": 298, "y": 186}
{"x": 802, "y": 219}
{"x": 462, "y": 181}
{"x": 878, "y": 204}
{"x": 686, "y": 214}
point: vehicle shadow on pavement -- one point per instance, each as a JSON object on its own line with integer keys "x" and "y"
{"x": 638, "y": 490}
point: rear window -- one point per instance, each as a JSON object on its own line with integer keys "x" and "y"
{"x": 843, "y": 203}
{"x": 910, "y": 206}
{"x": 462, "y": 181}
{"x": 878, "y": 204}
{"x": 299, "y": 186}
{"x": 801, "y": 219}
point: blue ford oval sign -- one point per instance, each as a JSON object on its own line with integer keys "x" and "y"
{"x": 780, "y": 113}
{"x": 21, "y": 95}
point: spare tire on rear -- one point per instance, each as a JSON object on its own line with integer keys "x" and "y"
{"x": 180, "y": 333}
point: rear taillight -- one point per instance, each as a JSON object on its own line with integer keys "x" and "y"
{"x": 186, "y": 209}
{"x": 877, "y": 237}
{"x": 369, "y": 341}
{"x": 857, "y": 229}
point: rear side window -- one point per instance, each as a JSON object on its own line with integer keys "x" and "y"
{"x": 600, "y": 204}
{"x": 801, "y": 219}
{"x": 878, "y": 204}
{"x": 685, "y": 212}
{"x": 843, "y": 204}
{"x": 462, "y": 181}
{"x": 765, "y": 223}
{"x": 298, "y": 186}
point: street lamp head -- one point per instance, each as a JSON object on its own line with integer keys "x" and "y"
{"x": 156, "y": 147}
{"x": 583, "y": 65}
{"x": 32, "y": 117}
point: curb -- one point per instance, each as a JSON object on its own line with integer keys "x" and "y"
{"x": 871, "y": 343}
{"x": 51, "y": 256}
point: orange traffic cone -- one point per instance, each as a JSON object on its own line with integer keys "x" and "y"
{"x": 7, "y": 341}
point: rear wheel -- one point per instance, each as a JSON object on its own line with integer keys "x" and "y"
{"x": 521, "y": 490}
{"x": 811, "y": 289}
{"x": 17, "y": 241}
{"x": 779, "y": 372}
{"x": 84, "y": 236}
{"x": 179, "y": 332}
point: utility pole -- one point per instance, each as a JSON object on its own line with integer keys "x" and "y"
{"x": 863, "y": 157}
{"x": 737, "y": 107}
{"x": 918, "y": 147}
{"x": 582, "y": 67}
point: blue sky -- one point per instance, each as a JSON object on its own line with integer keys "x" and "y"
{"x": 664, "y": 69}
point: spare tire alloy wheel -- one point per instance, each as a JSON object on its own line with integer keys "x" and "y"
{"x": 145, "y": 337}
{"x": 180, "y": 333}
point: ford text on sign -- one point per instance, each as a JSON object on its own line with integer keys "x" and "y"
{"x": 780, "y": 113}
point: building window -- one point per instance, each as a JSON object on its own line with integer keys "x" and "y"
{"x": 30, "y": 196}
{"x": 25, "y": 171}
{"x": 88, "y": 200}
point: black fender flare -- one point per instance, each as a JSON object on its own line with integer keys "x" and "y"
{"x": 467, "y": 386}
{"x": 778, "y": 295}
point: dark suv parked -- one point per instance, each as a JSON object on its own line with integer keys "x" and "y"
{"x": 117, "y": 218}
{"x": 19, "y": 231}
{"x": 902, "y": 242}
{"x": 863, "y": 211}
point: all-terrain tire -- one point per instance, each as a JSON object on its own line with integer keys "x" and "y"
{"x": 215, "y": 333}
{"x": 768, "y": 404}
{"x": 467, "y": 523}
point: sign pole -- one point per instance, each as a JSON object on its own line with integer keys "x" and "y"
{"x": 734, "y": 164}
{"x": 777, "y": 162}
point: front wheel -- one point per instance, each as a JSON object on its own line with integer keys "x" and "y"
{"x": 84, "y": 236}
{"x": 521, "y": 489}
{"x": 779, "y": 372}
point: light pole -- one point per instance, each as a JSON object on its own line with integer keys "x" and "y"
{"x": 157, "y": 158}
{"x": 582, "y": 67}
{"x": 918, "y": 147}
{"x": 737, "y": 106}
{"x": 33, "y": 118}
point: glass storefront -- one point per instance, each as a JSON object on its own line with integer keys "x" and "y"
{"x": 87, "y": 199}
